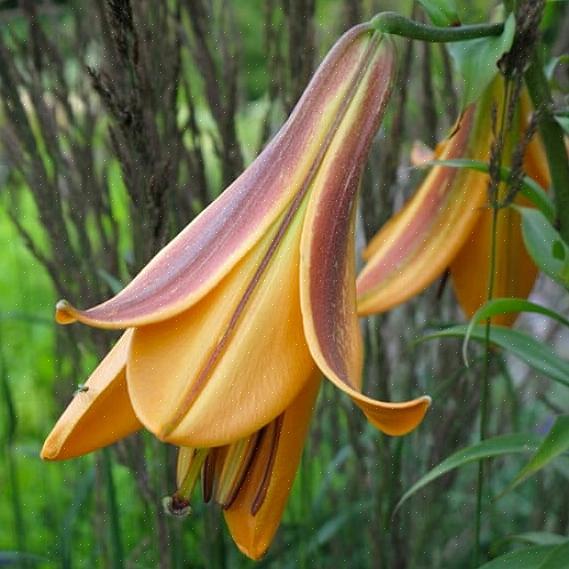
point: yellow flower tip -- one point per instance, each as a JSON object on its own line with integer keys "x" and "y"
{"x": 65, "y": 313}
{"x": 253, "y": 551}
{"x": 51, "y": 449}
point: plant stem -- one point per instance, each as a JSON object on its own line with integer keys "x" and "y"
{"x": 553, "y": 141}
{"x": 396, "y": 24}
{"x": 485, "y": 387}
{"x": 114, "y": 524}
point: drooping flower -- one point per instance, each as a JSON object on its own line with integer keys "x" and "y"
{"x": 229, "y": 327}
{"x": 447, "y": 225}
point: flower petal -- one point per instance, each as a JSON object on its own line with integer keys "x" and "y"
{"x": 254, "y": 516}
{"x": 202, "y": 254}
{"x": 433, "y": 225}
{"x": 241, "y": 348}
{"x": 327, "y": 259}
{"x": 99, "y": 414}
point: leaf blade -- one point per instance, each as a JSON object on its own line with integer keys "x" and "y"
{"x": 496, "y": 446}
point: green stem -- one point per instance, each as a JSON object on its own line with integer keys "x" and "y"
{"x": 485, "y": 388}
{"x": 396, "y": 24}
{"x": 114, "y": 525}
{"x": 553, "y": 141}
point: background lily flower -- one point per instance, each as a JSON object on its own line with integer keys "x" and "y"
{"x": 231, "y": 320}
{"x": 515, "y": 272}
{"x": 447, "y": 224}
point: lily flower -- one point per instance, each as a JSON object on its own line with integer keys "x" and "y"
{"x": 447, "y": 225}
{"x": 227, "y": 327}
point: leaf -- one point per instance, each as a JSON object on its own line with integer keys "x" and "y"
{"x": 556, "y": 443}
{"x": 537, "y": 355}
{"x": 563, "y": 121}
{"x": 529, "y": 187}
{"x": 558, "y": 558}
{"x": 530, "y": 558}
{"x": 496, "y": 446}
{"x": 506, "y": 306}
{"x": 545, "y": 246}
{"x": 476, "y": 60}
{"x": 441, "y": 12}
{"x": 537, "y": 538}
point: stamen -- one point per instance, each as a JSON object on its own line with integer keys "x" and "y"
{"x": 235, "y": 468}
{"x": 190, "y": 462}
{"x": 275, "y": 429}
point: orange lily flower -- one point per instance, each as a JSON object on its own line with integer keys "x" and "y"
{"x": 229, "y": 325}
{"x": 446, "y": 224}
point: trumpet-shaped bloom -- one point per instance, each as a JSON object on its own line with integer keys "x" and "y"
{"x": 447, "y": 224}
{"x": 227, "y": 327}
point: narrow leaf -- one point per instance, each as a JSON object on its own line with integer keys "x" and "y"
{"x": 537, "y": 355}
{"x": 556, "y": 443}
{"x": 544, "y": 244}
{"x": 476, "y": 60}
{"x": 441, "y": 12}
{"x": 506, "y": 306}
{"x": 530, "y": 558}
{"x": 558, "y": 558}
{"x": 496, "y": 446}
{"x": 535, "y": 538}
{"x": 529, "y": 187}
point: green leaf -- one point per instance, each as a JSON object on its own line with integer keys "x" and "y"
{"x": 476, "y": 60}
{"x": 536, "y": 538}
{"x": 441, "y": 12}
{"x": 506, "y": 306}
{"x": 558, "y": 558}
{"x": 530, "y": 558}
{"x": 545, "y": 246}
{"x": 529, "y": 187}
{"x": 496, "y": 446}
{"x": 563, "y": 121}
{"x": 536, "y": 354}
{"x": 556, "y": 443}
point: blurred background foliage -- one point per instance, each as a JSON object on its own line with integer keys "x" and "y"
{"x": 117, "y": 126}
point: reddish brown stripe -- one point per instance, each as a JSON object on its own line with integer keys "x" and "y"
{"x": 276, "y": 428}
{"x": 208, "y": 475}
{"x": 206, "y": 371}
{"x": 247, "y": 460}
{"x": 441, "y": 182}
{"x": 331, "y": 309}
{"x": 205, "y": 246}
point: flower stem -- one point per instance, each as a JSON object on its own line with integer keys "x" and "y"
{"x": 553, "y": 141}
{"x": 396, "y": 24}
{"x": 485, "y": 387}
{"x": 117, "y": 551}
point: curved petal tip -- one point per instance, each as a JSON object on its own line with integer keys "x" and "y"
{"x": 397, "y": 419}
{"x": 65, "y": 313}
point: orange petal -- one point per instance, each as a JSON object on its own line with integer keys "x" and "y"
{"x": 100, "y": 412}
{"x": 207, "y": 250}
{"x": 231, "y": 363}
{"x": 514, "y": 270}
{"x": 420, "y": 243}
{"x": 254, "y": 517}
{"x": 327, "y": 259}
